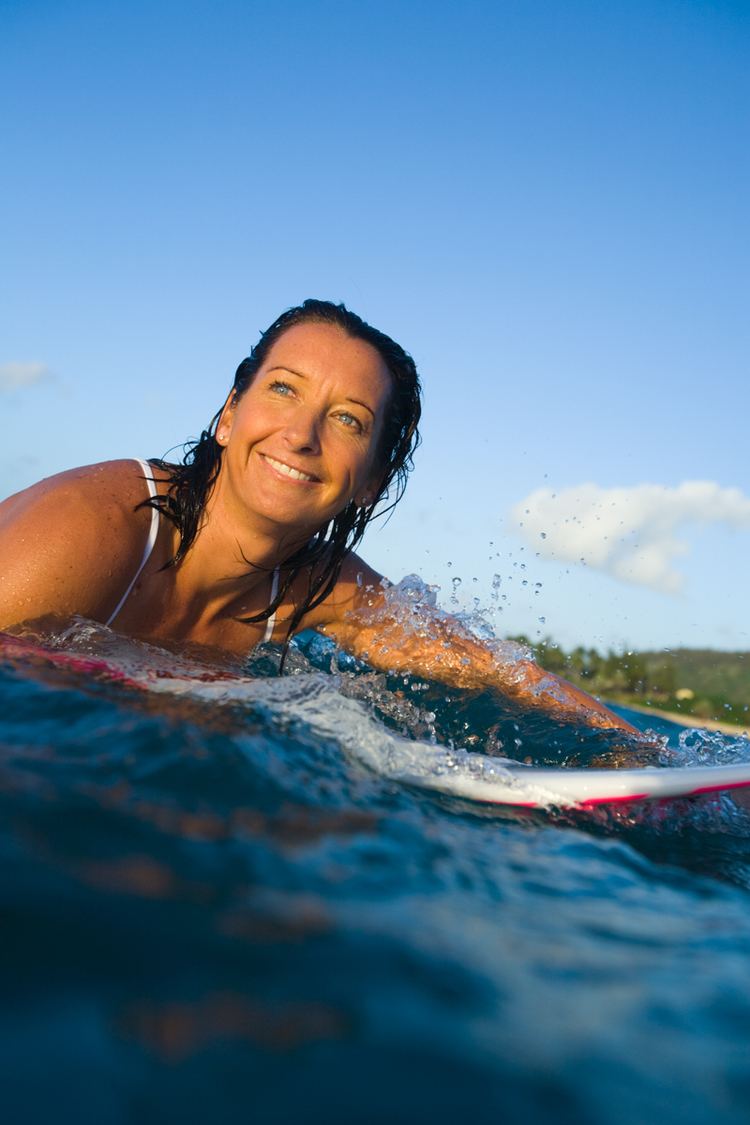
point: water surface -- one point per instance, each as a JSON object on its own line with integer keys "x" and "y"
{"x": 221, "y": 903}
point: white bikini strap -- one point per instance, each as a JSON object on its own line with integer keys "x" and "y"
{"x": 153, "y": 531}
{"x": 272, "y": 619}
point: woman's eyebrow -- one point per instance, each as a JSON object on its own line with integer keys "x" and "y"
{"x": 283, "y": 367}
{"x": 358, "y": 402}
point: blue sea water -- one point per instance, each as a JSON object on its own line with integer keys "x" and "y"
{"x": 219, "y": 903}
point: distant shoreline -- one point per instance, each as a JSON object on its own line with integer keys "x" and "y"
{"x": 689, "y": 720}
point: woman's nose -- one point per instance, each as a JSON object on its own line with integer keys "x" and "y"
{"x": 303, "y": 432}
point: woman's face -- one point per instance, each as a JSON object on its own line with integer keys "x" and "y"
{"x": 302, "y": 440}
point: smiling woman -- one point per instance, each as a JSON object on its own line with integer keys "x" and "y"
{"x": 252, "y": 536}
{"x": 302, "y": 443}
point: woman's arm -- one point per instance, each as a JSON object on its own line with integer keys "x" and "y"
{"x": 70, "y": 544}
{"x": 402, "y": 635}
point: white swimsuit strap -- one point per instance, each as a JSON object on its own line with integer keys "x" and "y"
{"x": 272, "y": 619}
{"x": 153, "y": 531}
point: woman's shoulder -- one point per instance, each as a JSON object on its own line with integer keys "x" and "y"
{"x": 68, "y": 542}
{"x": 120, "y": 480}
{"x": 118, "y": 483}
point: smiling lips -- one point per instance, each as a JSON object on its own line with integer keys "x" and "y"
{"x": 288, "y": 471}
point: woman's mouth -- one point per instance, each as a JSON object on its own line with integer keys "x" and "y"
{"x": 289, "y": 471}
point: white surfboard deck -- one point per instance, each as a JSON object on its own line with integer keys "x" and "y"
{"x": 537, "y": 787}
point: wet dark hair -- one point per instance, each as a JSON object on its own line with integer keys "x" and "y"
{"x": 190, "y": 482}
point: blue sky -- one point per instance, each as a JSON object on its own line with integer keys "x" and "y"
{"x": 545, "y": 202}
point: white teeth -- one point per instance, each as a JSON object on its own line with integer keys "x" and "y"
{"x": 287, "y": 470}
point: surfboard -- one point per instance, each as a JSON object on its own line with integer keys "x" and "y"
{"x": 534, "y": 787}
{"x": 501, "y": 782}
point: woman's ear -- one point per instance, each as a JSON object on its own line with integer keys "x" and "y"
{"x": 226, "y": 419}
{"x": 372, "y": 489}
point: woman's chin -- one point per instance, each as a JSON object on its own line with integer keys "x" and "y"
{"x": 295, "y": 511}
{"x": 288, "y": 518}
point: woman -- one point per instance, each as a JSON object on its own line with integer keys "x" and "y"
{"x": 252, "y": 537}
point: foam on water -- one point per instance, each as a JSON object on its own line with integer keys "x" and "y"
{"x": 338, "y": 706}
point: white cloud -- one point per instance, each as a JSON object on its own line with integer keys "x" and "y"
{"x": 15, "y": 375}
{"x": 631, "y": 533}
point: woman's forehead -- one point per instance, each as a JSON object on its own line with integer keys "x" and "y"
{"x": 324, "y": 351}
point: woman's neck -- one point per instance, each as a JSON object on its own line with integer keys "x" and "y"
{"x": 222, "y": 568}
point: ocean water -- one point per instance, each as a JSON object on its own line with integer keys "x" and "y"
{"x": 221, "y": 903}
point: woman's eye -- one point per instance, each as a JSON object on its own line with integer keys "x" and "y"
{"x": 350, "y": 421}
{"x": 280, "y": 388}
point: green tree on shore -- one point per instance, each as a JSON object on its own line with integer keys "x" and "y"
{"x": 697, "y": 682}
